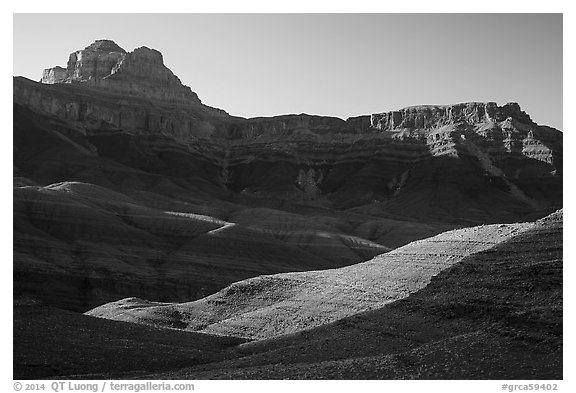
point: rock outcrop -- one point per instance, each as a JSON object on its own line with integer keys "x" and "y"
{"x": 141, "y": 72}
{"x": 54, "y": 75}
{"x": 94, "y": 62}
{"x": 430, "y": 117}
{"x": 105, "y": 86}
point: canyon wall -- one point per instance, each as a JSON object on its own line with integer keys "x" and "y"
{"x": 125, "y": 183}
{"x": 105, "y": 87}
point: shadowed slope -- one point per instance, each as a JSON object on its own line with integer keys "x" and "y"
{"x": 77, "y": 245}
{"x": 269, "y": 306}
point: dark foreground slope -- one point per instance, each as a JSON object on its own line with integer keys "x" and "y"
{"x": 495, "y": 315}
{"x": 50, "y": 342}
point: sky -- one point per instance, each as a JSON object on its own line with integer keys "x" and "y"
{"x": 326, "y": 64}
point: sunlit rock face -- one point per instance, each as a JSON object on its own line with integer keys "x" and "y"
{"x": 429, "y": 117}
{"x": 95, "y": 62}
{"x": 54, "y": 75}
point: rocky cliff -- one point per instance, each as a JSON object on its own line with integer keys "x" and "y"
{"x": 430, "y": 117}
{"x": 106, "y": 65}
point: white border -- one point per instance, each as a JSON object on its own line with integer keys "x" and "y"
{"x": 260, "y": 6}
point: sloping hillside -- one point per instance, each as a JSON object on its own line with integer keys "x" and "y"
{"x": 77, "y": 245}
{"x": 270, "y": 306}
{"x": 496, "y": 314}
